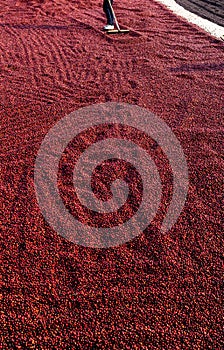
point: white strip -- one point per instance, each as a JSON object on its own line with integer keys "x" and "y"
{"x": 212, "y": 28}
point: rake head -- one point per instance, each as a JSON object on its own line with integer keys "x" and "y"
{"x": 118, "y": 31}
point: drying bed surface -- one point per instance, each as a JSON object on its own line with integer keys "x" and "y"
{"x": 159, "y": 291}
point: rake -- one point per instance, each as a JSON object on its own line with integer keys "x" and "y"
{"x": 118, "y": 30}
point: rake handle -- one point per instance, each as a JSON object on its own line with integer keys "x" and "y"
{"x": 115, "y": 19}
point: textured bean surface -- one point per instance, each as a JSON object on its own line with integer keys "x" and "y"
{"x": 158, "y": 291}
